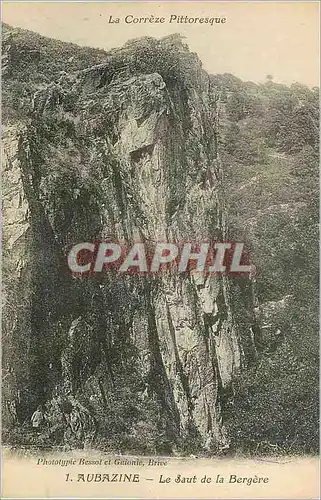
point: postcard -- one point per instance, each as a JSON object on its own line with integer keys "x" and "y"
{"x": 160, "y": 327}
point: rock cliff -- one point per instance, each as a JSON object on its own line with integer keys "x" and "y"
{"x": 127, "y": 149}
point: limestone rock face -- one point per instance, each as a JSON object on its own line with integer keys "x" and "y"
{"x": 127, "y": 149}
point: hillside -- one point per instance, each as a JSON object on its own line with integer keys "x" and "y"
{"x": 270, "y": 150}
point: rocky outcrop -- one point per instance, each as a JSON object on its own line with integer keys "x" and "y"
{"x": 127, "y": 149}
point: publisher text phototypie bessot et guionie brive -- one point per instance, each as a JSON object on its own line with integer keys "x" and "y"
{"x": 172, "y": 19}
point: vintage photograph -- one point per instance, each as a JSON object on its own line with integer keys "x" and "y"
{"x": 160, "y": 233}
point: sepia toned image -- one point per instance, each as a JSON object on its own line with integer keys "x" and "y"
{"x": 160, "y": 186}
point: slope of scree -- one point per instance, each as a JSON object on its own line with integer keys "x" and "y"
{"x": 124, "y": 149}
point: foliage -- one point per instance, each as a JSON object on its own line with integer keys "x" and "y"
{"x": 276, "y": 403}
{"x": 272, "y": 198}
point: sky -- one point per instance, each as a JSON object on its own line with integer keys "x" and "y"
{"x": 258, "y": 38}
